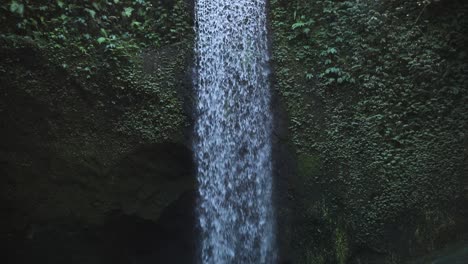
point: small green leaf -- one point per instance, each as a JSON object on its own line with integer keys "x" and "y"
{"x": 127, "y": 11}
{"x": 91, "y": 12}
{"x": 136, "y": 23}
{"x": 298, "y": 25}
{"x": 97, "y": 6}
{"x": 332, "y": 51}
{"x": 104, "y": 32}
{"x": 17, "y": 8}
{"x": 60, "y": 3}
{"x": 101, "y": 40}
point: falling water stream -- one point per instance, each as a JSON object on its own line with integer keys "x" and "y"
{"x": 233, "y": 133}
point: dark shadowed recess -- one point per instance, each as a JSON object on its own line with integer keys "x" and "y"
{"x": 122, "y": 237}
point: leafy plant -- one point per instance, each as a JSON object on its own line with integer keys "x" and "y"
{"x": 17, "y": 8}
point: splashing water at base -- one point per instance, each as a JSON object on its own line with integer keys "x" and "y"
{"x": 233, "y": 132}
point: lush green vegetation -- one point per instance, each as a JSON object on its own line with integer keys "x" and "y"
{"x": 109, "y": 25}
{"x": 377, "y": 91}
{"x": 113, "y": 30}
{"x": 100, "y": 46}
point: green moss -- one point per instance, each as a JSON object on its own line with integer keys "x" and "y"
{"x": 83, "y": 105}
{"x": 341, "y": 246}
{"x": 380, "y": 96}
{"x": 309, "y": 168}
{"x": 433, "y": 226}
{"x": 159, "y": 117}
{"x": 314, "y": 258}
{"x": 308, "y": 164}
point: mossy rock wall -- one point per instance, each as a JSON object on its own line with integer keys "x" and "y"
{"x": 96, "y": 108}
{"x": 376, "y": 94}
{"x": 93, "y": 131}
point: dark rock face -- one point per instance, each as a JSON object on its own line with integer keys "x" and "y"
{"x": 81, "y": 183}
{"x": 121, "y": 238}
{"x": 284, "y": 169}
{"x": 453, "y": 254}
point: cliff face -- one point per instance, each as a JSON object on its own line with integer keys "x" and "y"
{"x": 370, "y": 139}
{"x": 376, "y": 94}
{"x": 94, "y": 147}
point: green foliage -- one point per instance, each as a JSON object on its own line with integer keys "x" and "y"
{"x": 341, "y": 246}
{"x": 127, "y": 11}
{"x": 90, "y": 37}
{"x": 98, "y": 46}
{"x": 159, "y": 116}
{"x": 17, "y": 8}
{"x": 87, "y": 24}
{"x": 303, "y": 24}
{"x": 379, "y": 90}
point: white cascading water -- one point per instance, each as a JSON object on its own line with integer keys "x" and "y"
{"x": 233, "y": 132}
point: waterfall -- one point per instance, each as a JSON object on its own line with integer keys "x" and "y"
{"x": 232, "y": 142}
